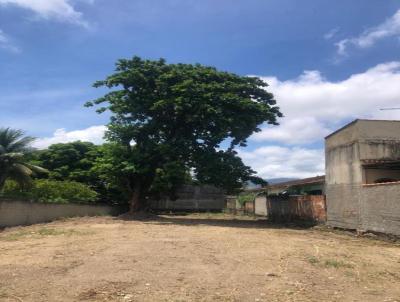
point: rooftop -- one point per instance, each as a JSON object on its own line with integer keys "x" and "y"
{"x": 361, "y": 120}
{"x": 304, "y": 181}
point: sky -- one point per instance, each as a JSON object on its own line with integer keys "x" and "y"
{"x": 327, "y": 63}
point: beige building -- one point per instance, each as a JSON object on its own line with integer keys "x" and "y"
{"x": 363, "y": 176}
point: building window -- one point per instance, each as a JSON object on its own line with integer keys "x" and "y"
{"x": 382, "y": 172}
{"x": 383, "y": 180}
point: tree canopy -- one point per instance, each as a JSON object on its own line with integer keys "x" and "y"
{"x": 69, "y": 161}
{"x": 173, "y": 123}
{"x": 78, "y": 162}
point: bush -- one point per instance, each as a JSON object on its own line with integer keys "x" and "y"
{"x": 246, "y": 197}
{"x": 51, "y": 191}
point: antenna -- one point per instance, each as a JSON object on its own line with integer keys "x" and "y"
{"x": 398, "y": 108}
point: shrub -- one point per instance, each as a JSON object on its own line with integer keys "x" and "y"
{"x": 246, "y": 197}
{"x": 51, "y": 191}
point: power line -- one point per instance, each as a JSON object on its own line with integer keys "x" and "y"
{"x": 398, "y": 108}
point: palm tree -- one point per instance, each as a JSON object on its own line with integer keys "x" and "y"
{"x": 13, "y": 148}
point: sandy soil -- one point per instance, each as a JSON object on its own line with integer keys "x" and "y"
{"x": 193, "y": 258}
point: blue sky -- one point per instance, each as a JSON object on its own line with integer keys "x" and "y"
{"x": 327, "y": 62}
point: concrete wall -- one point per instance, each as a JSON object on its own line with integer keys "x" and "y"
{"x": 249, "y": 207}
{"x": 193, "y": 198}
{"x": 379, "y": 149}
{"x": 343, "y": 205}
{"x": 260, "y": 205}
{"x": 378, "y": 129}
{"x": 343, "y": 179}
{"x": 351, "y": 204}
{"x": 230, "y": 204}
{"x": 307, "y": 208}
{"x": 342, "y": 164}
{"x": 365, "y": 207}
{"x": 380, "y": 208}
{"x": 13, "y": 213}
{"x": 233, "y": 206}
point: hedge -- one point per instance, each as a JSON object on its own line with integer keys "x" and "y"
{"x": 51, "y": 191}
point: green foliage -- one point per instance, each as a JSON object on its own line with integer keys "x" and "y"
{"x": 246, "y": 197}
{"x": 51, "y": 191}
{"x": 14, "y": 148}
{"x": 77, "y": 161}
{"x": 113, "y": 168}
{"x": 71, "y": 161}
{"x": 313, "y": 260}
{"x": 328, "y": 263}
{"x": 170, "y": 119}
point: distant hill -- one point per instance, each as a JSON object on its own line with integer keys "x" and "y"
{"x": 279, "y": 180}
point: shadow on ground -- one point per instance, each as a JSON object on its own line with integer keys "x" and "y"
{"x": 214, "y": 220}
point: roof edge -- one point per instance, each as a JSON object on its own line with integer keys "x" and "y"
{"x": 358, "y": 120}
{"x": 343, "y": 127}
{"x": 303, "y": 181}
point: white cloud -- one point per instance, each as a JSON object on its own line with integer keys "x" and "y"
{"x": 275, "y": 161}
{"x": 314, "y": 106}
{"x": 389, "y": 28}
{"x": 60, "y": 10}
{"x": 330, "y": 34}
{"x": 6, "y": 44}
{"x": 92, "y": 134}
{"x": 302, "y": 130}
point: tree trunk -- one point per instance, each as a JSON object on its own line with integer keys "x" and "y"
{"x": 135, "y": 204}
{"x": 2, "y": 183}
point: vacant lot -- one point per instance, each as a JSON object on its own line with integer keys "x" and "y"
{"x": 193, "y": 258}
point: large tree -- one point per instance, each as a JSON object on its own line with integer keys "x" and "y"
{"x": 169, "y": 120}
{"x": 14, "y": 148}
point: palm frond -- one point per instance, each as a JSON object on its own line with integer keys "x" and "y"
{"x": 13, "y": 156}
{"x": 13, "y": 147}
{"x": 21, "y": 169}
{"x": 13, "y": 140}
{"x": 37, "y": 169}
{"x": 21, "y": 145}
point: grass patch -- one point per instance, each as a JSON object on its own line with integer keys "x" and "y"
{"x": 350, "y": 274}
{"x": 55, "y": 232}
{"x": 334, "y": 263}
{"x": 329, "y": 263}
{"x": 313, "y": 260}
{"x": 15, "y": 236}
{"x": 40, "y": 233}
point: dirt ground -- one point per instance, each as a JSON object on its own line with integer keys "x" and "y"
{"x": 199, "y": 257}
